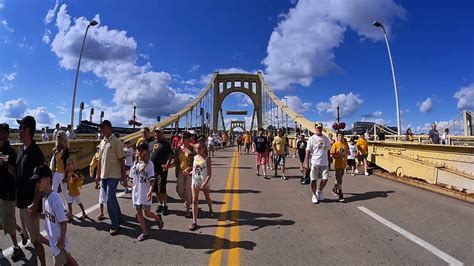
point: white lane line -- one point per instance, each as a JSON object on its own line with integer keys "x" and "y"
{"x": 7, "y": 252}
{"x": 442, "y": 255}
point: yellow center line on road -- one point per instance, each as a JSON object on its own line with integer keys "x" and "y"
{"x": 216, "y": 256}
{"x": 234, "y": 252}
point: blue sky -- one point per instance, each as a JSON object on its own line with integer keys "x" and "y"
{"x": 158, "y": 53}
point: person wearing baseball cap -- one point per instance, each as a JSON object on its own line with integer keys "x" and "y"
{"x": 28, "y": 198}
{"x": 162, "y": 156}
{"x": 110, "y": 170}
{"x": 318, "y": 148}
{"x": 55, "y": 222}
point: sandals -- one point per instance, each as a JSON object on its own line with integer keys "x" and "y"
{"x": 142, "y": 237}
{"x": 188, "y": 214}
{"x": 193, "y": 227}
{"x": 159, "y": 221}
{"x": 211, "y": 214}
{"x": 100, "y": 218}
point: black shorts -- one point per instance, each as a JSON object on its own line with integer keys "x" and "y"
{"x": 161, "y": 179}
{"x": 301, "y": 157}
{"x": 351, "y": 162}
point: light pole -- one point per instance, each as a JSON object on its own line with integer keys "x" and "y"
{"x": 286, "y": 115}
{"x": 380, "y": 25}
{"x": 134, "y": 113}
{"x": 91, "y": 24}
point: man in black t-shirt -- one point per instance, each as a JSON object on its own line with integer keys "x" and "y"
{"x": 161, "y": 155}
{"x": 301, "y": 150}
{"x": 28, "y": 197}
{"x": 434, "y": 134}
{"x": 7, "y": 190}
{"x": 261, "y": 146}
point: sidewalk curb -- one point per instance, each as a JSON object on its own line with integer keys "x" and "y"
{"x": 425, "y": 186}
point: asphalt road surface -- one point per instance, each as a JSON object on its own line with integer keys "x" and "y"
{"x": 273, "y": 222}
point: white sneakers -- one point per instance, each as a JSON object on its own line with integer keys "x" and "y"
{"x": 314, "y": 199}
{"x": 356, "y": 171}
{"x": 366, "y": 173}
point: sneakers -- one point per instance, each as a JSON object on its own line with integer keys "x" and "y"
{"x": 165, "y": 210}
{"x": 17, "y": 254}
{"x": 266, "y": 177}
{"x": 314, "y": 199}
{"x": 283, "y": 177}
{"x": 357, "y": 171}
{"x": 341, "y": 196}
{"x": 258, "y": 174}
{"x": 320, "y": 196}
{"x": 159, "y": 209}
{"x": 334, "y": 190}
{"x": 24, "y": 239}
{"x": 114, "y": 231}
{"x": 366, "y": 173}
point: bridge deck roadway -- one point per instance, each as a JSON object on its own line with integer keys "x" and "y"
{"x": 277, "y": 224}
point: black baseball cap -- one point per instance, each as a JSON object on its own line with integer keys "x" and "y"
{"x": 27, "y": 121}
{"x": 5, "y": 126}
{"x": 142, "y": 146}
{"x": 40, "y": 172}
{"x": 105, "y": 123}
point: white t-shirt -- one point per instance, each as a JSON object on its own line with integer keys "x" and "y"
{"x": 141, "y": 182}
{"x": 45, "y": 136}
{"x": 319, "y": 147}
{"x": 215, "y": 138}
{"x": 353, "y": 151}
{"x": 210, "y": 141}
{"x": 54, "y": 214}
{"x": 55, "y": 133}
{"x": 128, "y": 156}
{"x": 71, "y": 135}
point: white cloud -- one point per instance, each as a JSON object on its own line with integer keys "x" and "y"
{"x": 15, "y": 108}
{"x": 194, "y": 68}
{"x": 465, "y": 97}
{"x": 144, "y": 56}
{"x": 206, "y": 78}
{"x": 302, "y": 45}
{"x": 373, "y": 114}
{"x": 50, "y": 15}
{"x": 24, "y": 44}
{"x": 9, "y": 77}
{"x": 46, "y": 36}
{"x": 297, "y": 105}
{"x": 348, "y": 104}
{"x": 111, "y": 55}
{"x": 426, "y": 105}
{"x": 5, "y": 25}
{"x": 42, "y": 116}
{"x": 2, "y": 5}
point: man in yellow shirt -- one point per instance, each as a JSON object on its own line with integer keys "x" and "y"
{"x": 339, "y": 152}
{"x": 279, "y": 144}
{"x": 363, "y": 151}
{"x": 247, "y": 141}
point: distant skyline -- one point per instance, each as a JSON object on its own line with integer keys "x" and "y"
{"x": 159, "y": 54}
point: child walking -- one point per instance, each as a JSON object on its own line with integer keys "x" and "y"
{"x": 143, "y": 176}
{"x": 55, "y": 223}
{"x": 74, "y": 180}
{"x": 201, "y": 177}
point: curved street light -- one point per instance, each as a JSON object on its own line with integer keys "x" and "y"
{"x": 380, "y": 25}
{"x": 91, "y": 24}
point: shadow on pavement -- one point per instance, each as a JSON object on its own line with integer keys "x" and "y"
{"x": 366, "y": 195}
{"x": 236, "y": 191}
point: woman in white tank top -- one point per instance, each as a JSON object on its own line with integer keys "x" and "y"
{"x": 201, "y": 177}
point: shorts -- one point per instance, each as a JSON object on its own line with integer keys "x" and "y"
{"x": 301, "y": 156}
{"x": 262, "y": 158}
{"x": 142, "y": 207}
{"x": 319, "y": 172}
{"x": 247, "y": 146}
{"x": 362, "y": 157}
{"x": 61, "y": 258}
{"x": 279, "y": 159}
{"x": 7, "y": 216}
{"x": 161, "y": 179}
{"x": 31, "y": 224}
{"x": 351, "y": 162}
{"x": 224, "y": 144}
{"x": 210, "y": 146}
{"x": 71, "y": 199}
{"x": 102, "y": 196}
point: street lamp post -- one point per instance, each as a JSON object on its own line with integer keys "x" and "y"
{"x": 380, "y": 25}
{"x": 134, "y": 113}
{"x": 91, "y": 24}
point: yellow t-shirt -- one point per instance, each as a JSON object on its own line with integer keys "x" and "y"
{"x": 362, "y": 146}
{"x": 248, "y": 139}
{"x": 74, "y": 184}
{"x": 183, "y": 161}
{"x": 340, "y": 148}
{"x": 93, "y": 164}
{"x": 280, "y": 144}
{"x": 59, "y": 163}
{"x": 140, "y": 140}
